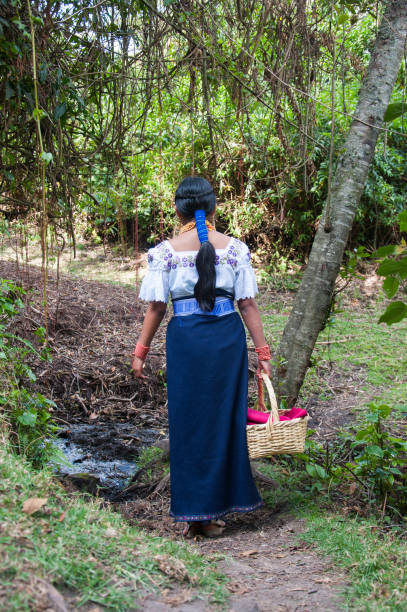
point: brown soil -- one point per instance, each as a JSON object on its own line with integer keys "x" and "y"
{"x": 93, "y": 327}
{"x": 270, "y": 569}
{"x": 92, "y": 330}
{"x": 267, "y": 566}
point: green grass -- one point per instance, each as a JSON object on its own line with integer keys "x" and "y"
{"x": 356, "y": 340}
{"x": 374, "y": 561}
{"x": 382, "y": 350}
{"x": 89, "y": 550}
{"x": 148, "y": 454}
{"x": 159, "y": 468}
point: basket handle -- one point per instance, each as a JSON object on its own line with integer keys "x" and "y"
{"x": 273, "y": 418}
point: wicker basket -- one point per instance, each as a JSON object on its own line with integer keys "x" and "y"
{"x": 276, "y": 437}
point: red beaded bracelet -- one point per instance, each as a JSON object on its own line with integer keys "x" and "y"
{"x": 141, "y": 351}
{"x": 263, "y": 352}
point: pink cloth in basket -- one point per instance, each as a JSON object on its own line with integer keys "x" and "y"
{"x": 254, "y": 417}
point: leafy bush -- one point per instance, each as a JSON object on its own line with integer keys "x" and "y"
{"x": 379, "y": 459}
{"x": 368, "y": 456}
{"x": 24, "y": 413}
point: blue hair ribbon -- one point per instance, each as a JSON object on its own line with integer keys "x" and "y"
{"x": 200, "y": 218}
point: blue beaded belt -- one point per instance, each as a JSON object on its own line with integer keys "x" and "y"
{"x": 182, "y": 308}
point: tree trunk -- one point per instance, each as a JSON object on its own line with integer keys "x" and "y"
{"x": 314, "y": 296}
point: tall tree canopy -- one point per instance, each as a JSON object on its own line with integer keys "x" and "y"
{"x": 134, "y": 94}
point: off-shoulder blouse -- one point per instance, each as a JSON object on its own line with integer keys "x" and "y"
{"x": 173, "y": 273}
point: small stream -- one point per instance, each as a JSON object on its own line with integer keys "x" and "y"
{"x": 104, "y": 454}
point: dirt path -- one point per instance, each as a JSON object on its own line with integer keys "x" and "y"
{"x": 268, "y": 569}
{"x": 267, "y": 565}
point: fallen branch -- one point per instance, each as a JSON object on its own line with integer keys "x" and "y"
{"x": 263, "y": 478}
{"x": 334, "y": 341}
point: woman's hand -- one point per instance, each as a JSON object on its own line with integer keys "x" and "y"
{"x": 264, "y": 366}
{"x": 137, "y": 365}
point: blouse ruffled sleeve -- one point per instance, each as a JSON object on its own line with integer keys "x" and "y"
{"x": 245, "y": 280}
{"x": 155, "y": 284}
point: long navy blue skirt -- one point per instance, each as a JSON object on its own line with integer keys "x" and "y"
{"x": 207, "y": 378}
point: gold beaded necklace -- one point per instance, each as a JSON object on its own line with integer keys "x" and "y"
{"x": 191, "y": 224}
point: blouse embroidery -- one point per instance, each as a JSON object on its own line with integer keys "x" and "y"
{"x": 171, "y": 261}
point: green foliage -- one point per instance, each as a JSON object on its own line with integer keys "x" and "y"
{"x": 370, "y": 456}
{"x": 373, "y": 557}
{"x": 147, "y": 455}
{"x": 116, "y": 148}
{"x": 154, "y": 462}
{"x": 349, "y": 268}
{"x": 25, "y": 413}
{"x": 395, "y": 312}
{"x": 380, "y": 459}
{"x": 394, "y": 269}
{"x": 394, "y": 111}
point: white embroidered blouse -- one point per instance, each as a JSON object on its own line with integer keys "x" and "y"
{"x": 174, "y": 273}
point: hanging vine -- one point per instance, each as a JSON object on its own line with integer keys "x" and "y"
{"x": 44, "y": 158}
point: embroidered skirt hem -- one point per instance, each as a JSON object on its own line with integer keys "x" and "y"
{"x": 208, "y": 517}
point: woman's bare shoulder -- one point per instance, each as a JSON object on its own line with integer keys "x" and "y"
{"x": 219, "y": 240}
{"x": 189, "y": 241}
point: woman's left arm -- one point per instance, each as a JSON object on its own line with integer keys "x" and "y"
{"x": 251, "y": 316}
{"x": 154, "y": 315}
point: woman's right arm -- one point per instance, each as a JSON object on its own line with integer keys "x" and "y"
{"x": 155, "y": 290}
{"x": 154, "y": 315}
{"x": 251, "y": 316}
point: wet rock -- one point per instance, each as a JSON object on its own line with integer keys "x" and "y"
{"x": 164, "y": 444}
{"x": 90, "y": 483}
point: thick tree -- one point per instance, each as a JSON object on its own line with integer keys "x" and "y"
{"x": 314, "y": 296}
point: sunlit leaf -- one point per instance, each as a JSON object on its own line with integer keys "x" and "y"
{"x": 385, "y": 250}
{"x": 394, "y": 313}
{"x": 402, "y": 217}
{"x": 394, "y": 111}
{"x": 38, "y": 113}
{"x": 393, "y": 266}
{"x": 390, "y": 286}
{"x": 47, "y": 157}
{"x": 27, "y": 418}
{"x": 374, "y": 450}
{"x": 384, "y": 410}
